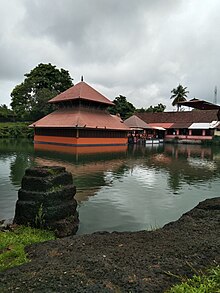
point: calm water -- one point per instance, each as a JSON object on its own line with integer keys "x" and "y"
{"x": 119, "y": 188}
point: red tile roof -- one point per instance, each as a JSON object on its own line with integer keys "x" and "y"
{"x": 81, "y": 91}
{"x": 81, "y": 118}
{"x": 197, "y": 116}
{"x": 164, "y": 125}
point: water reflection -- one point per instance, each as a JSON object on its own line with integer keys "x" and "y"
{"x": 121, "y": 188}
{"x": 87, "y": 164}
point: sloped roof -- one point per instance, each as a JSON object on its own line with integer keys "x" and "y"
{"x": 81, "y": 91}
{"x": 180, "y": 125}
{"x": 199, "y": 126}
{"x": 199, "y": 104}
{"x": 81, "y": 118}
{"x": 197, "y": 116}
{"x": 136, "y": 122}
{"x": 163, "y": 125}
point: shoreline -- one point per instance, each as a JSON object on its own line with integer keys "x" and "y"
{"x": 143, "y": 261}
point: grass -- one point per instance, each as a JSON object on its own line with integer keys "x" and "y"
{"x": 12, "y": 244}
{"x": 201, "y": 283}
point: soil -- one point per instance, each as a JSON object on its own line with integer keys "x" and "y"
{"x": 144, "y": 261}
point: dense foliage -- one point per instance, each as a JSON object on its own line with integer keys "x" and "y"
{"x": 6, "y": 114}
{"x": 122, "y": 107}
{"x": 153, "y": 109}
{"x": 29, "y": 99}
{"x": 15, "y": 130}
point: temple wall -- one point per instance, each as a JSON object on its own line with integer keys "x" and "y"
{"x": 79, "y": 141}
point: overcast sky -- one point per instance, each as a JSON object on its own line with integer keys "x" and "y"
{"x": 140, "y": 49}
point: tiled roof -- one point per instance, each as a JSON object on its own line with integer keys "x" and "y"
{"x": 136, "y": 122}
{"x": 180, "y": 125}
{"x": 81, "y": 118}
{"x": 81, "y": 91}
{"x": 164, "y": 125}
{"x": 180, "y": 117}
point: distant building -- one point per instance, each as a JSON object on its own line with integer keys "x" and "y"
{"x": 80, "y": 120}
{"x": 188, "y": 126}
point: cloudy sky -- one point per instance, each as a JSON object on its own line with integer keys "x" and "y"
{"x": 141, "y": 49}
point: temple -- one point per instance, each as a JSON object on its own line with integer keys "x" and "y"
{"x": 81, "y": 119}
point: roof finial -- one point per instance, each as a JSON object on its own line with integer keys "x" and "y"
{"x": 82, "y": 78}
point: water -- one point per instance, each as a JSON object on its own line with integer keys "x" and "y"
{"x": 119, "y": 188}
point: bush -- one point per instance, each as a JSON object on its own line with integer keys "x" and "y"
{"x": 16, "y": 130}
{"x": 202, "y": 283}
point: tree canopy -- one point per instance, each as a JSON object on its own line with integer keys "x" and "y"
{"x": 179, "y": 94}
{"x": 6, "y": 114}
{"x": 154, "y": 109}
{"x": 45, "y": 81}
{"x": 122, "y": 107}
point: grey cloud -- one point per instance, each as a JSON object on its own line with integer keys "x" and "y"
{"x": 141, "y": 49}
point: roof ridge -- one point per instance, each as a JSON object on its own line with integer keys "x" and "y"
{"x": 83, "y": 91}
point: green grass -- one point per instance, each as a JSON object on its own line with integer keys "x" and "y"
{"x": 201, "y": 283}
{"x": 12, "y": 244}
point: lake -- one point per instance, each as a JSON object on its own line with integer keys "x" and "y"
{"x": 119, "y": 188}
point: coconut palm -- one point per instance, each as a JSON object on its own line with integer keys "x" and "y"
{"x": 179, "y": 95}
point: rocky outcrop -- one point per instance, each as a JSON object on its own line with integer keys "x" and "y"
{"x": 46, "y": 200}
{"x": 144, "y": 261}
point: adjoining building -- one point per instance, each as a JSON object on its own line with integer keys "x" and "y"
{"x": 138, "y": 129}
{"x": 81, "y": 119}
{"x": 186, "y": 126}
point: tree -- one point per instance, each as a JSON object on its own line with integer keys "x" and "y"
{"x": 179, "y": 95}
{"x": 45, "y": 81}
{"x": 154, "y": 109}
{"x": 122, "y": 107}
{"x": 6, "y": 114}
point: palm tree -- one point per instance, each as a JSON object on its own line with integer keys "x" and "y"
{"x": 179, "y": 95}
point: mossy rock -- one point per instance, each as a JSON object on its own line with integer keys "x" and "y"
{"x": 44, "y": 171}
{"x": 55, "y": 196}
{"x": 47, "y": 183}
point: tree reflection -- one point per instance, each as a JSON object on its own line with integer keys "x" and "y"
{"x": 174, "y": 181}
{"x": 18, "y": 166}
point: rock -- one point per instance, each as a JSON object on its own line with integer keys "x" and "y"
{"x": 46, "y": 200}
{"x": 5, "y": 224}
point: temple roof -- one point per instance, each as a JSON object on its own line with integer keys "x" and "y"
{"x": 81, "y": 119}
{"x": 81, "y": 91}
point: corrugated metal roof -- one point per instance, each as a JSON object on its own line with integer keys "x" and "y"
{"x": 81, "y": 91}
{"x": 136, "y": 122}
{"x": 214, "y": 124}
{"x": 199, "y": 126}
{"x": 158, "y": 128}
{"x": 81, "y": 118}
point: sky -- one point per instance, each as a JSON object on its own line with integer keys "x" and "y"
{"x": 140, "y": 49}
